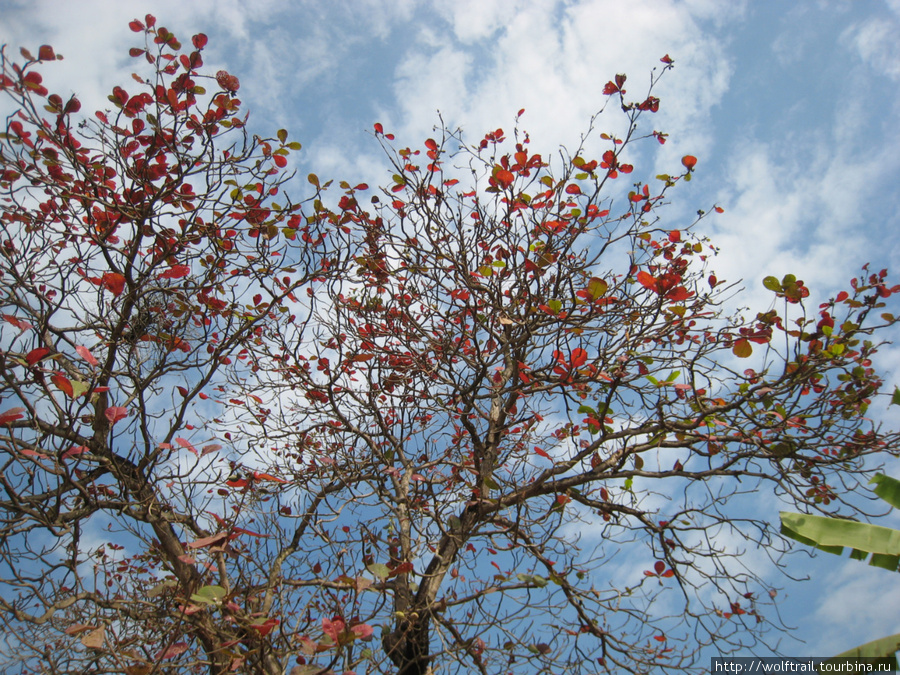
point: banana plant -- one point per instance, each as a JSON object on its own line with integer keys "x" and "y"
{"x": 879, "y": 545}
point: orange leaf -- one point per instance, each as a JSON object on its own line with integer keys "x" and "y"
{"x": 646, "y": 280}
{"x": 504, "y": 177}
{"x": 64, "y": 385}
{"x": 115, "y": 282}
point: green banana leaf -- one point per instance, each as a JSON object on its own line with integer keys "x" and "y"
{"x": 833, "y": 535}
{"x": 888, "y": 489}
{"x": 883, "y": 648}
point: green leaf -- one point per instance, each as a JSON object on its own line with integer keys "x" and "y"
{"x": 772, "y": 284}
{"x": 891, "y": 563}
{"x": 161, "y": 587}
{"x": 673, "y": 376}
{"x": 885, "y": 647}
{"x": 282, "y": 135}
{"x": 535, "y": 579}
{"x": 380, "y": 570}
{"x": 887, "y": 488}
{"x": 555, "y": 305}
{"x": 209, "y": 595}
{"x": 895, "y": 399}
{"x": 597, "y": 288}
{"x": 79, "y": 388}
{"x": 833, "y": 534}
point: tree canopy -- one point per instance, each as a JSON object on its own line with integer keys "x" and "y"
{"x": 492, "y": 417}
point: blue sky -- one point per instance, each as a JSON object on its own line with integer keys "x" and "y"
{"x": 789, "y": 106}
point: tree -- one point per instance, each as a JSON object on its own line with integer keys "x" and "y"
{"x": 370, "y": 436}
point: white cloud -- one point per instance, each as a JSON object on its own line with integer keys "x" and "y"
{"x": 875, "y": 40}
{"x": 856, "y": 604}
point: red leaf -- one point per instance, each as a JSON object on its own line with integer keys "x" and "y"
{"x": 227, "y": 81}
{"x": 114, "y": 281}
{"x": 45, "y": 53}
{"x": 689, "y": 162}
{"x": 199, "y": 41}
{"x": 176, "y": 272}
{"x": 116, "y": 413}
{"x": 402, "y": 568}
{"x": 843, "y": 295}
{"x": 203, "y": 542}
{"x": 12, "y": 415}
{"x": 184, "y": 443}
{"x": 379, "y": 129}
{"x": 667, "y": 60}
{"x": 579, "y": 357}
{"x": 74, "y": 450}
{"x": 265, "y": 627}
{"x": 241, "y": 530}
{"x": 36, "y": 355}
{"x": 136, "y": 26}
{"x": 678, "y": 294}
{"x": 85, "y": 353}
{"x": 362, "y": 630}
{"x": 280, "y": 161}
{"x": 171, "y": 652}
{"x": 539, "y": 451}
{"x": 660, "y": 567}
{"x": 18, "y": 323}
{"x": 573, "y": 189}
{"x": 332, "y": 628}
{"x": 675, "y": 236}
{"x": 431, "y": 144}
